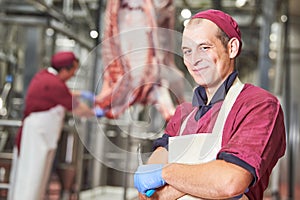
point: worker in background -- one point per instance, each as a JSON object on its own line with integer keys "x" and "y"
{"x": 226, "y": 142}
{"x": 47, "y": 99}
{"x": 48, "y": 89}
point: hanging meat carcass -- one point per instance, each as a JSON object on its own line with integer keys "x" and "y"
{"x": 165, "y": 17}
{"x": 134, "y": 66}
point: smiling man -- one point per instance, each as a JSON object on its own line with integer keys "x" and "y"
{"x": 226, "y": 142}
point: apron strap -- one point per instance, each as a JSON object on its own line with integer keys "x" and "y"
{"x": 229, "y": 100}
{"x": 183, "y": 125}
{"x": 213, "y": 144}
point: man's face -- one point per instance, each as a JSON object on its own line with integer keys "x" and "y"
{"x": 69, "y": 73}
{"x": 74, "y": 68}
{"x": 205, "y": 57}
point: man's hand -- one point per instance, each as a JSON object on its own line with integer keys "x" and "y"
{"x": 99, "y": 112}
{"x": 85, "y": 94}
{"x": 166, "y": 192}
{"x": 148, "y": 177}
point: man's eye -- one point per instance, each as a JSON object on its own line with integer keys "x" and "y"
{"x": 187, "y": 52}
{"x": 204, "y": 48}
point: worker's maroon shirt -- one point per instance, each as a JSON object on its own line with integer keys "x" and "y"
{"x": 45, "y": 91}
{"x": 254, "y": 132}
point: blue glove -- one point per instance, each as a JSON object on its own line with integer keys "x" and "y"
{"x": 99, "y": 112}
{"x": 148, "y": 178}
{"x": 87, "y": 95}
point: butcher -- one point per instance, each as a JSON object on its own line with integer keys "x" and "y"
{"x": 225, "y": 143}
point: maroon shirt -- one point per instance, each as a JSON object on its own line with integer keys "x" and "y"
{"x": 45, "y": 91}
{"x": 254, "y": 133}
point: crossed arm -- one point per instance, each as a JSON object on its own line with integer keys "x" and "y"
{"x": 217, "y": 179}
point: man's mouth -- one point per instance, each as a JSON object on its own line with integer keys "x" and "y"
{"x": 199, "y": 69}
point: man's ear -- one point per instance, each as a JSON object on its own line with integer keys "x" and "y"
{"x": 233, "y": 47}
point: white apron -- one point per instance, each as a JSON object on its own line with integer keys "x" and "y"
{"x": 204, "y": 147}
{"x": 40, "y": 134}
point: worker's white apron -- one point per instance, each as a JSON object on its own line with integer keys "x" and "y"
{"x": 204, "y": 147}
{"x": 40, "y": 134}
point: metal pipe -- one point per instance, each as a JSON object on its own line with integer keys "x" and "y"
{"x": 61, "y": 28}
{"x": 98, "y": 168}
{"x": 287, "y": 98}
{"x": 264, "y": 62}
{"x": 23, "y": 20}
{"x": 4, "y": 96}
{"x": 68, "y": 8}
{"x": 40, "y": 21}
{"x": 53, "y": 12}
{"x": 89, "y": 17}
{"x": 62, "y": 19}
{"x": 278, "y": 82}
{"x": 97, "y": 60}
{"x": 10, "y": 122}
{"x": 126, "y": 167}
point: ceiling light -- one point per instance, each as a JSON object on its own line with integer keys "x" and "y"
{"x": 284, "y": 18}
{"x": 94, "y": 34}
{"x": 186, "y": 13}
{"x": 240, "y": 3}
{"x": 49, "y": 32}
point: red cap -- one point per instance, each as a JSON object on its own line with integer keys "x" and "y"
{"x": 62, "y": 59}
{"x": 224, "y": 21}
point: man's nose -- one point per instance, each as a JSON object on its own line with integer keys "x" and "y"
{"x": 196, "y": 58}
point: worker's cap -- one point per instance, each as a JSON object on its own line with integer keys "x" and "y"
{"x": 224, "y": 21}
{"x": 63, "y": 59}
